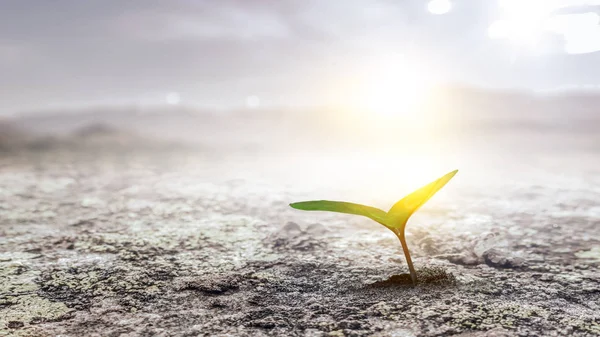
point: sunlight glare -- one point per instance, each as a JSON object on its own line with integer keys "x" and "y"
{"x": 394, "y": 87}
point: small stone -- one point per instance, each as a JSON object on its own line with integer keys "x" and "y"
{"x": 316, "y": 228}
{"x": 291, "y": 227}
{"x": 497, "y": 259}
{"x": 464, "y": 259}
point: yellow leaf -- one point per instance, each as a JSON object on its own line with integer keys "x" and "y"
{"x": 403, "y": 209}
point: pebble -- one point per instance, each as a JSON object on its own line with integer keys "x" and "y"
{"x": 497, "y": 259}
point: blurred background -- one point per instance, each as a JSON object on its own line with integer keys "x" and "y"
{"x": 348, "y": 94}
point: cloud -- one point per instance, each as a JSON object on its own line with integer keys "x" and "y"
{"x": 224, "y": 22}
{"x": 220, "y": 51}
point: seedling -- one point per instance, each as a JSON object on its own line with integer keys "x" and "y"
{"x": 395, "y": 219}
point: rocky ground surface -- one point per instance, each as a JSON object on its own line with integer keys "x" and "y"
{"x": 136, "y": 244}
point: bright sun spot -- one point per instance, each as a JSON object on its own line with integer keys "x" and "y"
{"x": 439, "y": 6}
{"x": 392, "y": 87}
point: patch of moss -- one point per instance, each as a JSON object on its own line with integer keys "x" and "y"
{"x": 489, "y": 316}
{"x": 583, "y": 325}
{"x": 26, "y": 310}
{"x": 20, "y": 305}
{"x": 592, "y": 255}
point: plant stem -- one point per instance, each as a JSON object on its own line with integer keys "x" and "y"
{"x": 411, "y": 268}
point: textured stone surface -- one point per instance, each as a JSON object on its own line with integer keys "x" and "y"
{"x": 139, "y": 245}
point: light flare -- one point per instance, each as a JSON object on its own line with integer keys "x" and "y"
{"x": 393, "y": 87}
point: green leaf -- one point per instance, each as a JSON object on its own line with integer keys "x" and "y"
{"x": 399, "y": 213}
{"x": 342, "y": 207}
{"x": 394, "y": 220}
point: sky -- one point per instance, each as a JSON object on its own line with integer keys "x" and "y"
{"x": 227, "y": 53}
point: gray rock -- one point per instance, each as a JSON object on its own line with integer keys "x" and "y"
{"x": 497, "y": 259}
{"x": 291, "y": 228}
{"x": 316, "y": 229}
